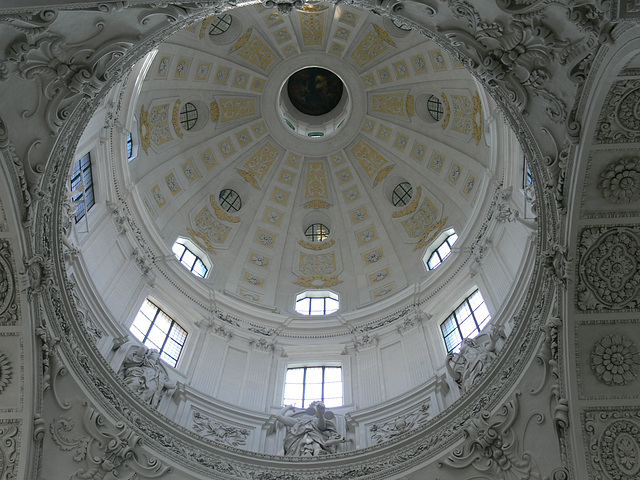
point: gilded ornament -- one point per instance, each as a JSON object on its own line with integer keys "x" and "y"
{"x": 620, "y": 181}
{"x": 426, "y": 238}
{"x": 175, "y": 119}
{"x": 318, "y": 281}
{"x": 447, "y": 111}
{"x": 202, "y": 240}
{"x": 145, "y": 130}
{"x": 615, "y": 360}
{"x": 411, "y": 206}
{"x": 215, "y": 111}
{"x": 220, "y": 213}
{"x": 382, "y": 174}
{"x": 253, "y": 49}
{"x": 317, "y": 204}
{"x": 476, "y": 118}
{"x": 411, "y": 105}
{"x": 317, "y": 246}
{"x": 205, "y": 24}
{"x": 374, "y": 43}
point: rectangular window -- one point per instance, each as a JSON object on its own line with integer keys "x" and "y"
{"x": 82, "y": 185}
{"x": 305, "y": 385}
{"x": 466, "y": 321}
{"x": 157, "y": 331}
{"x": 129, "y": 146}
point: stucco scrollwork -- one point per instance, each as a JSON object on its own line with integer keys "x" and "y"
{"x": 310, "y": 432}
{"x": 106, "y": 449}
{"x": 218, "y": 431}
{"x": 492, "y": 447}
{"x": 474, "y": 358}
{"x": 619, "y": 121}
{"x": 609, "y": 268}
{"x": 9, "y": 449}
{"x": 284, "y": 6}
{"x": 144, "y": 373}
{"x": 381, "y": 432}
{"x": 620, "y": 181}
{"x": 615, "y": 360}
{"x": 8, "y": 306}
{"x": 614, "y": 443}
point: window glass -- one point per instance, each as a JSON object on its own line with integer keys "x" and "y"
{"x": 188, "y": 116}
{"x": 317, "y": 303}
{"x": 129, "y": 146}
{"x": 434, "y": 105}
{"x": 156, "y": 330}
{"x": 190, "y": 260}
{"x": 402, "y": 194}
{"x": 442, "y": 252}
{"x": 230, "y": 201}
{"x": 220, "y": 24}
{"x": 466, "y": 321}
{"x": 304, "y": 385}
{"x": 82, "y": 186}
{"x": 317, "y": 232}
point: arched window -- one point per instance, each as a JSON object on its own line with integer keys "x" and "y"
{"x": 442, "y": 251}
{"x": 156, "y": 330}
{"x": 230, "y": 201}
{"x": 317, "y": 232}
{"x": 317, "y": 302}
{"x": 402, "y": 194}
{"x": 129, "y": 146}
{"x": 466, "y": 321}
{"x": 189, "y": 259}
{"x": 434, "y": 106}
{"x": 188, "y": 116}
{"x": 304, "y": 385}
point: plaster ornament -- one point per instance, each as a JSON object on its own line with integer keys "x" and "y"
{"x": 492, "y": 447}
{"x": 557, "y": 262}
{"x": 620, "y": 181}
{"x": 8, "y": 306}
{"x": 615, "y": 360}
{"x": 219, "y": 432}
{"x": 108, "y": 451}
{"x": 474, "y": 358}
{"x": 5, "y": 372}
{"x": 9, "y": 449}
{"x": 143, "y": 373}
{"x": 404, "y": 423}
{"x": 609, "y": 268}
{"x": 310, "y": 432}
{"x": 284, "y": 6}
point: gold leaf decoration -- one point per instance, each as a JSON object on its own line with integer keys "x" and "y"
{"x": 317, "y": 246}
{"x": 383, "y": 174}
{"x": 317, "y": 204}
{"x": 411, "y": 206}
{"x": 220, "y": 213}
{"x": 205, "y": 23}
{"x": 318, "y": 281}
{"x": 477, "y": 118}
{"x": 175, "y": 118}
{"x": 431, "y": 233}
{"x": 145, "y": 130}
{"x": 202, "y": 240}
{"x": 249, "y": 178}
{"x": 215, "y": 111}
{"x": 447, "y": 111}
{"x": 411, "y": 105}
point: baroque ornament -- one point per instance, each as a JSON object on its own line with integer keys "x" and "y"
{"x": 609, "y": 268}
{"x": 491, "y": 446}
{"x": 404, "y": 423}
{"x": 8, "y": 306}
{"x": 5, "y": 372}
{"x": 615, "y": 360}
{"x": 219, "y": 432}
{"x": 620, "y": 181}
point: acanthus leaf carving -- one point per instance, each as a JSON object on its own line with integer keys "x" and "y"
{"x": 31, "y": 24}
{"x": 105, "y": 449}
{"x": 9, "y": 449}
{"x": 8, "y": 298}
{"x": 491, "y": 446}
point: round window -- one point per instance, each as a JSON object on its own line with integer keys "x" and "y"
{"x": 402, "y": 194}
{"x": 434, "y": 105}
{"x": 220, "y": 24}
{"x": 317, "y": 232}
{"x": 230, "y": 201}
{"x": 188, "y": 116}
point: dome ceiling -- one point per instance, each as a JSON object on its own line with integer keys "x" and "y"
{"x": 249, "y": 137}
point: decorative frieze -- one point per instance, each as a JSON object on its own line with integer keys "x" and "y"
{"x": 381, "y": 432}
{"x": 218, "y": 431}
{"x": 8, "y": 296}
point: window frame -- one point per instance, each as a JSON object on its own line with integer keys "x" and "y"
{"x": 220, "y": 18}
{"x": 323, "y": 398}
{"x": 436, "y": 250}
{"x": 478, "y": 325}
{"x": 317, "y": 236}
{"x": 186, "y": 248}
{"x": 439, "y": 109}
{"x": 324, "y": 294}
{"x": 225, "y": 204}
{"x": 145, "y": 336}
{"x": 87, "y": 189}
{"x": 185, "y": 119}
{"x": 407, "y": 194}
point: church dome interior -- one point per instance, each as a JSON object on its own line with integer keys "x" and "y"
{"x": 291, "y": 240}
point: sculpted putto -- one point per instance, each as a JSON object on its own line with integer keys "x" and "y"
{"x": 474, "y": 357}
{"x": 145, "y": 375}
{"x": 310, "y": 432}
